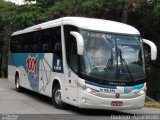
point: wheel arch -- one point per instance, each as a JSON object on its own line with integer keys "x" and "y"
{"x": 16, "y": 74}
{"x": 58, "y": 81}
{"x": 55, "y": 82}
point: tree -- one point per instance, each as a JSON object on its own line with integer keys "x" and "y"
{"x": 1, "y": 33}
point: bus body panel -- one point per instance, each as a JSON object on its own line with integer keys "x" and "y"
{"x": 71, "y": 80}
{"x": 35, "y": 71}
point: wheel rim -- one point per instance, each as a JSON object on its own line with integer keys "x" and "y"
{"x": 57, "y": 96}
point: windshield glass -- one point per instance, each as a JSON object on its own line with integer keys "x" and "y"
{"x": 112, "y": 57}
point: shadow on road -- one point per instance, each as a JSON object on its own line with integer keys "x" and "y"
{"x": 95, "y": 112}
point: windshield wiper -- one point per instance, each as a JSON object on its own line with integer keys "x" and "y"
{"x": 123, "y": 61}
{"x": 110, "y": 61}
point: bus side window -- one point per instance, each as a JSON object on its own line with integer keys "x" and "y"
{"x": 58, "y": 49}
{"x": 55, "y": 41}
{"x": 26, "y": 48}
{"x": 16, "y": 44}
{"x": 45, "y": 47}
{"x": 35, "y": 47}
{"x": 49, "y": 37}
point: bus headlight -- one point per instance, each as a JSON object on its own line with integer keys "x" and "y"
{"x": 88, "y": 89}
{"x": 141, "y": 92}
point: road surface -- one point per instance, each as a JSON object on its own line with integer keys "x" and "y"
{"x": 30, "y": 105}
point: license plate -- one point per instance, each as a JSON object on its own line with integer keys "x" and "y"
{"x": 116, "y": 103}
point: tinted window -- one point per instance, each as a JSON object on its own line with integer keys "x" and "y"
{"x": 38, "y": 41}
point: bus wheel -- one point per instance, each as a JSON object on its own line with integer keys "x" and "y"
{"x": 56, "y": 98}
{"x": 17, "y": 84}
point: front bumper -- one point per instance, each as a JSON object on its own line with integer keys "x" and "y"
{"x": 90, "y": 101}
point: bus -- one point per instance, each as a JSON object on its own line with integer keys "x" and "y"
{"x": 85, "y": 62}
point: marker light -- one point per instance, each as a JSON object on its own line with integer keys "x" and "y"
{"x": 141, "y": 92}
{"x": 84, "y": 100}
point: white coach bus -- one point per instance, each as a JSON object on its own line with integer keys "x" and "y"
{"x": 85, "y": 62}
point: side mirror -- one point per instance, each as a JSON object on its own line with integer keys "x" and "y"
{"x": 80, "y": 42}
{"x": 153, "y": 48}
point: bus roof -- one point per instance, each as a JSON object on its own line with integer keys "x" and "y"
{"x": 86, "y": 23}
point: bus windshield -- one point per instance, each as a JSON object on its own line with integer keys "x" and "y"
{"x": 112, "y": 57}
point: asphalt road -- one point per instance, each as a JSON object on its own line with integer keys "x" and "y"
{"x": 29, "y": 105}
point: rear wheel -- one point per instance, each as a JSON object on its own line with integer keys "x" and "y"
{"x": 17, "y": 83}
{"x": 56, "y": 97}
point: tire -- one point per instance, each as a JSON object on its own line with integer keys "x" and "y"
{"x": 17, "y": 84}
{"x": 56, "y": 98}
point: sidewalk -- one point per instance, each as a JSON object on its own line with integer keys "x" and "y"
{"x": 151, "y": 103}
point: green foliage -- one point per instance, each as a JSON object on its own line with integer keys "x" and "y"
{"x": 25, "y": 16}
{"x": 93, "y": 4}
{"x": 60, "y": 8}
{"x": 65, "y": 8}
{"x": 156, "y": 10}
{"x": 1, "y": 33}
{"x": 45, "y": 3}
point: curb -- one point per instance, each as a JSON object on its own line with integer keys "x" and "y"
{"x": 152, "y": 105}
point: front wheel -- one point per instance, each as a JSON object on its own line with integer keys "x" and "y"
{"x": 56, "y": 98}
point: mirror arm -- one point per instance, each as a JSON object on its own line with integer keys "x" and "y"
{"x": 153, "y": 48}
{"x": 80, "y": 42}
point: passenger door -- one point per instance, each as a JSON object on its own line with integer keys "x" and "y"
{"x": 71, "y": 76}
